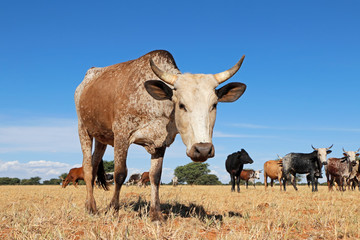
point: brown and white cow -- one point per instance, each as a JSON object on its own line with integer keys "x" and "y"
{"x": 341, "y": 170}
{"x": 273, "y": 170}
{"x": 145, "y": 178}
{"x": 249, "y": 175}
{"x": 355, "y": 167}
{"x": 147, "y": 101}
{"x": 74, "y": 175}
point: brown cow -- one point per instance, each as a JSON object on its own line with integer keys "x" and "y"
{"x": 273, "y": 170}
{"x": 74, "y": 175}
{"x": 249, "y": 175}
{"x": 147, "y": 101}
{"x": 145, "y": 178}
{"x": 342, "y": 170}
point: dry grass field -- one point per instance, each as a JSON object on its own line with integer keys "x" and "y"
{"x": 191, "y": 212}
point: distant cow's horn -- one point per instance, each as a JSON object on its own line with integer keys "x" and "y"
{"x": 330, "y": 147}
{"x": 223, "y": 76}
{"x": 314, "y": 148}
{"x": 166, "y": 77}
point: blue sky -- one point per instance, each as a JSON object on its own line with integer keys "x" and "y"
{"x": 301, "y": 69}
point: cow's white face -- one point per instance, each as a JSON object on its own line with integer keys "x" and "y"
{"x": 195, "y": 111}
{"x": 257, "y": 174}
{"x": 195, "y": 99}
{"x": 351, "y": 155}
{"x": 322, "y": 155}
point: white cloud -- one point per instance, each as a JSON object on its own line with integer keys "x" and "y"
{"x": 41, "y": 168}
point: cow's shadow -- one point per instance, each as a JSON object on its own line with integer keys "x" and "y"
{"x": 177, "y": 209}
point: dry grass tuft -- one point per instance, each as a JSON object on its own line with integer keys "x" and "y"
{"x": 191, "y": 212}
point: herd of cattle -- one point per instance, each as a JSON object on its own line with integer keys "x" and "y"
{"x": 76, "y": 174}
{"x": 343, "y": 171}
{"x": 148, "y": 101}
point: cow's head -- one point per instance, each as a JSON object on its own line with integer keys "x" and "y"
{"x": 195, "y": 99}
{"x": 65, "y": 182}
{"x": 257, "y": 174}
{"x": 244, "y": 157}
{"x": 351, "y": 155}
{"x": 322, "y": 153}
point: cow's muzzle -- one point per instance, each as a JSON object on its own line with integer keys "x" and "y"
{"x": 200, "y": 152}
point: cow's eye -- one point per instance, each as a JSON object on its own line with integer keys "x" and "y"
{"x": 213, "y": 107}
{"x": 182, "y": 107}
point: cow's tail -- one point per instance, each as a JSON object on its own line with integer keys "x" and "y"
{"x": 101, "y": 179}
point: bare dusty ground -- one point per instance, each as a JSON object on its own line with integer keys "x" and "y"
{"x": 191, "y": 212}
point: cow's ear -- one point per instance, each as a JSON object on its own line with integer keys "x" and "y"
{"x": 358, "y": 154}
{"x": 328, "y": 151}
{"x": 344, "y": 154}
{"x": 158, "y": 90}
{"x": 230, "y": 92}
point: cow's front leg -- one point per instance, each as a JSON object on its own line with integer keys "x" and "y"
{"x": 232, "y": 182}
{"x": 155, "y": 177}
{"x": 238, "y": 183}
{"x": 120, "y": 170}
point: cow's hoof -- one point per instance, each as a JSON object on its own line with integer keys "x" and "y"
{"x": 90, "y": 206}
{"x": 114, "y": 205}
{"x": 156, "y": 216}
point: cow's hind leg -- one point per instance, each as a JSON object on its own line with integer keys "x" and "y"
{"x": 155, "y": 177}
{"x": 120, "y": 172}
{"x": 279, "y": 178}
{"x": 86, "y": 147}
{"x": 294, "y": 182}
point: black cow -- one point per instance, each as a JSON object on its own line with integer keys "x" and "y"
{"x": 109, "y": 177}
{"x": 134, "y": 179}
{"x": 234, "y": 165}
{"x": 302, "y": 163}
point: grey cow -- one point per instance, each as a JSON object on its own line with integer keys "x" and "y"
{"x": 303, "y": 163}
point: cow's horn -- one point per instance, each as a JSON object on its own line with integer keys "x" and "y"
{"x": 357, "y": 150}
{"x": 330, "y": 147}
{"x": 278, "y": 156}
{"x": 166, "y": 77}
{"x": 344, "y": 150}
{"x": 223, "y": 76}
{"x": 314, "y": 148}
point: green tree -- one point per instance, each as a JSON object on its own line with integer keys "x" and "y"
{"x": 190, "y": 172}
{"x": 207, "y": 179}
{"x": 31, "y": 181}
{"x": 53, "y": 181}
{"x": 9, "y": 181}
{"x": 109, "y": 166}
